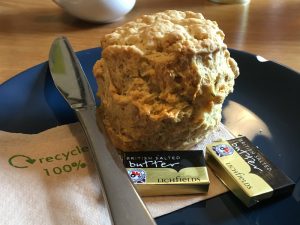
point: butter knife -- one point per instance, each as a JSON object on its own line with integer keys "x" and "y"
{"x": 124, "y": 204}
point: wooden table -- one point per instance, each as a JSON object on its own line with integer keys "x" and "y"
{"x": 270, "y": 28}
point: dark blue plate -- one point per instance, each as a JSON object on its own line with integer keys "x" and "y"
{"x": 264, "y": 105}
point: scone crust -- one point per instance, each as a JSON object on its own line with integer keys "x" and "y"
{"x": 162, "y": 80}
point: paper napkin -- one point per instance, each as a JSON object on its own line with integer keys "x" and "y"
{"x": 49, "y": 178}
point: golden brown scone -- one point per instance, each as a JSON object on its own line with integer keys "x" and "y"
{"x": 162, "y": 81}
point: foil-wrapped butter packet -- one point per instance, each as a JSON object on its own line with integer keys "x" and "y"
{"x": 167, "y": 172}
{"x": 246, "y": 171}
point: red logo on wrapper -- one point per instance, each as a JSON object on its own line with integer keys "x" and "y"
{"x": 138, "y": 176}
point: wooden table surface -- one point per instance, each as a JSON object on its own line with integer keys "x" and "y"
{"x": 270, "y": 28}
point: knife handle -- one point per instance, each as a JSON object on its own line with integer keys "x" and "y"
{"x": 124, "y": 204}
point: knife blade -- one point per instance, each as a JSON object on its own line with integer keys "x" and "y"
{"x": 124, "y": 204}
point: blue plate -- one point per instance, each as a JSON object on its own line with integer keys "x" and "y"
{"x": 267, "y": 94}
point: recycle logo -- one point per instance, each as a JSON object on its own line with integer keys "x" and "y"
{"x": 21, "y": 161}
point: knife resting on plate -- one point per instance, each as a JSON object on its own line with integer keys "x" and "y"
{"x": 124, "y": 204}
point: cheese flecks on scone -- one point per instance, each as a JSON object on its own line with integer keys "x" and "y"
{"x": 162, "y": 81}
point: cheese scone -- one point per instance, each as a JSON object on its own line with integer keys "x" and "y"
{"x": 162, "y": 80}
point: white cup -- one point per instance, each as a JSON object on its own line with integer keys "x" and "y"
{"x": 102, "y": 11}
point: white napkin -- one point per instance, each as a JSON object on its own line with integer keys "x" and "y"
{"x": 49, "y": 178}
